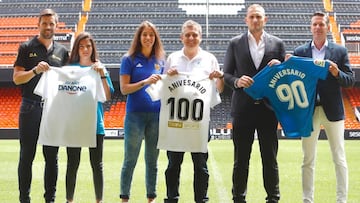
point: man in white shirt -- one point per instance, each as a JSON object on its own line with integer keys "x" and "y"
{"x": 195, "y": 61}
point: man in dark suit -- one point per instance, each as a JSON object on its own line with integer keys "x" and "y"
{"x": 329, "y": 110}
{"x": 247, "y": 54}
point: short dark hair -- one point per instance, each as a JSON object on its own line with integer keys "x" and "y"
{"x": 321, "y": 14}
{"x": 48, "y": 12}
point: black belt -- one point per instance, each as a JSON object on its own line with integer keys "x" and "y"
{"x": 317, "y": 103}
{"x": 33, "y": 102}
{"x": 258, "y": 101}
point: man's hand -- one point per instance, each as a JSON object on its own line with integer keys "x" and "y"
{"x": 244, "y": 81}
{"x": 172, "y": 71}
{"x": 333, "y": 69}
{"x": 216, "y": 74}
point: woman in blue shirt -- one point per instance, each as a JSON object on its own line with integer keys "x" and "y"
{"x": 140, "y": 67}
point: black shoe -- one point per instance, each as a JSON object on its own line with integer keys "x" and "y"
{"x": 272, "y": 201}
{"x": 171, "y": 200}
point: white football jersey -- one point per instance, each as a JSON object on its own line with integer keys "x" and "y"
{"x": 185, "y": 111}
{"x": 71, "y": 96}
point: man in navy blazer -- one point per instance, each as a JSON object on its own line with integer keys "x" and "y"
{"x": 329, "y": 110}
{"x": 246, "y": 55}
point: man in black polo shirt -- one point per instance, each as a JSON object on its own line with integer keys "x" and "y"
{"x": 34, "y": 57}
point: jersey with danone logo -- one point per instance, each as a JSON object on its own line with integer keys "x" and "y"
{"x": 71, "y": 96}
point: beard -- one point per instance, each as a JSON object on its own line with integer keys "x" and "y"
{"x": 47, "y": 35}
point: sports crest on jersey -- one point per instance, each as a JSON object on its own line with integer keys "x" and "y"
{"x": 319, "y": 62}
{"x": 157, "y": 67}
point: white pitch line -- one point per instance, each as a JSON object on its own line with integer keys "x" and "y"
{"x": 219, "y": 183}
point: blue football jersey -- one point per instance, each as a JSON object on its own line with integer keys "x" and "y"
{"x": 290, "y": 87}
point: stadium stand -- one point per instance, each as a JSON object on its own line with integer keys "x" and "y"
{"x": 113, "y": 24}
{"x": 10, "y": 100}
{"x": 17, "y": 29}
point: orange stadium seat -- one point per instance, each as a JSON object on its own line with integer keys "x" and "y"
{"x": 9, "y": 22}
{"x": 7, "y": 59}
{"x": 351, "y": 31}
{"x": 8, "y": 47}
{"x": 15, "y": 30}
{"x": 355, "y": 24}
{"x": 7, "y": 39}
{"x": 27, "y": 32}
{"x": 22, "y": 22}
{"x": 351, "y": 99}
{"x": 9, "y": 109}
{"x": 114, "y": 118}
{"x": 354, "y": 59}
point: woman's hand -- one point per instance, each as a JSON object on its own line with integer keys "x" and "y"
{"x": 152, "y": 79}
{"x": 99, "y": 67}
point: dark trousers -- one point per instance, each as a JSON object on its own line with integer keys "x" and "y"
{"x": 201, "y": 176}
{"x": 29, "y": 123}
{"x": 264, "y": 121}
{"x": 96, "y": 161}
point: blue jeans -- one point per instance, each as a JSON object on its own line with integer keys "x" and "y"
{"x": 201, "y": 176}
{"x": 139, "y": 126}
{"x": 29, "y": 124}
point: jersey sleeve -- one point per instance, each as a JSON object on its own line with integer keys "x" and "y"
{"x": 44, "y": 87}
{"x": 100, "y": 92}
{"x": 108, "y": 79}
{"x": 216, "y": 99}
{"x": 41, "y": 87}
{"x": 126, "y": 65}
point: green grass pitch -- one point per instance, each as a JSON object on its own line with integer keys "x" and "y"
{"x": 220, "y": 168}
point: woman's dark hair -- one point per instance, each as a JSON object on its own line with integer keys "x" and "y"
{"x": 74, "y": 55}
